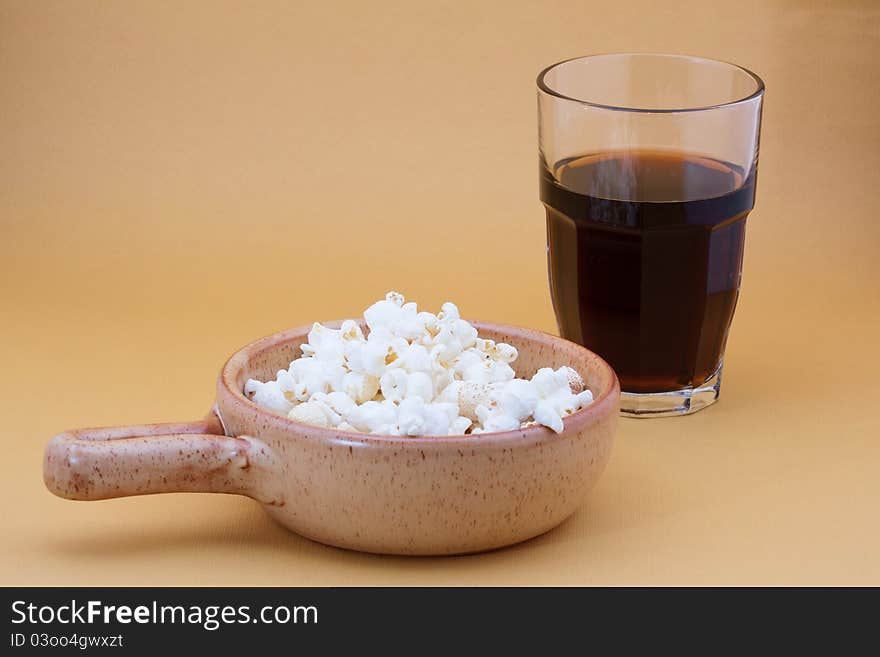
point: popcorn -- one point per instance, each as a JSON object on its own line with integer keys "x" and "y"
{"x": 546, "y": 381}
{"x": 385, "y": 313}
{"x": 450, "y": 393}
{"x": 465, "y": 334}
{"x": 360, "y": 387}
{"x": 489, "y": 371}
{"x": 309, "y": 413}
{"x": 518, "y": 399}
{"x": 415, "y": 374}
{"x": 496, "y": 420}
{"x": 289, "y": 387}
{"x": 546, "y": 415}
{"x": 448, "y": 345}
{"x": 416, "y": 358}
{"x": 351, "y": 332}
{"x": 340, "y": 402}
{"x": 468, "y": 358}
{"x": 460, "y": 426}
{"x": 419, "y": 384}
{"x": 380, "y": 352}
{"x": 393, "y": 385}
{"x": 575, "y": 382}
{"x": 438, "y": 417}
{"x": 472, "y": 394}
{"x": 448, "y": 311}
{"x": 268, "y": 395}
{"x": 505, "y": 353}
{"x": 373, "y": 417}
{"x": 411, "y": 417}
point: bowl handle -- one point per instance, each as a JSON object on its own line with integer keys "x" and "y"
{"x": 97, "y": 464}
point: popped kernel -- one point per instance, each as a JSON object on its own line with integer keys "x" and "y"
{"x": 415, "y": 374}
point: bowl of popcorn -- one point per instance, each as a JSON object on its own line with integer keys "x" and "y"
{"x": 403, "y": 432}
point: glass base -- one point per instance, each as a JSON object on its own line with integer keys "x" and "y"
{"x": 676, "y": 402}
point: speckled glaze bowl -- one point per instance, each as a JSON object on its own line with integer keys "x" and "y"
{"x": 384, "y": 494}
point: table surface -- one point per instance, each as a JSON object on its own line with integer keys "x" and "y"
{"x": 179, "y": 179}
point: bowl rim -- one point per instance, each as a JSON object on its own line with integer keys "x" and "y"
{"x": 604, "y": 402}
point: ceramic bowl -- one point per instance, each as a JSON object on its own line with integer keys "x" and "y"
{"x": 383, "y": 494}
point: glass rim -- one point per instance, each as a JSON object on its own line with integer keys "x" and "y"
{"x": 757, "y": 93}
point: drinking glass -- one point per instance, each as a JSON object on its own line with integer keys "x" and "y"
{"x": 648, "y": 164}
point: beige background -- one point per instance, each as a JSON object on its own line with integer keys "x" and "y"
{"x": 177, "y": 179}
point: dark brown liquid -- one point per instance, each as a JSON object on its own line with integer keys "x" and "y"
{"x": 645, "y": 255}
